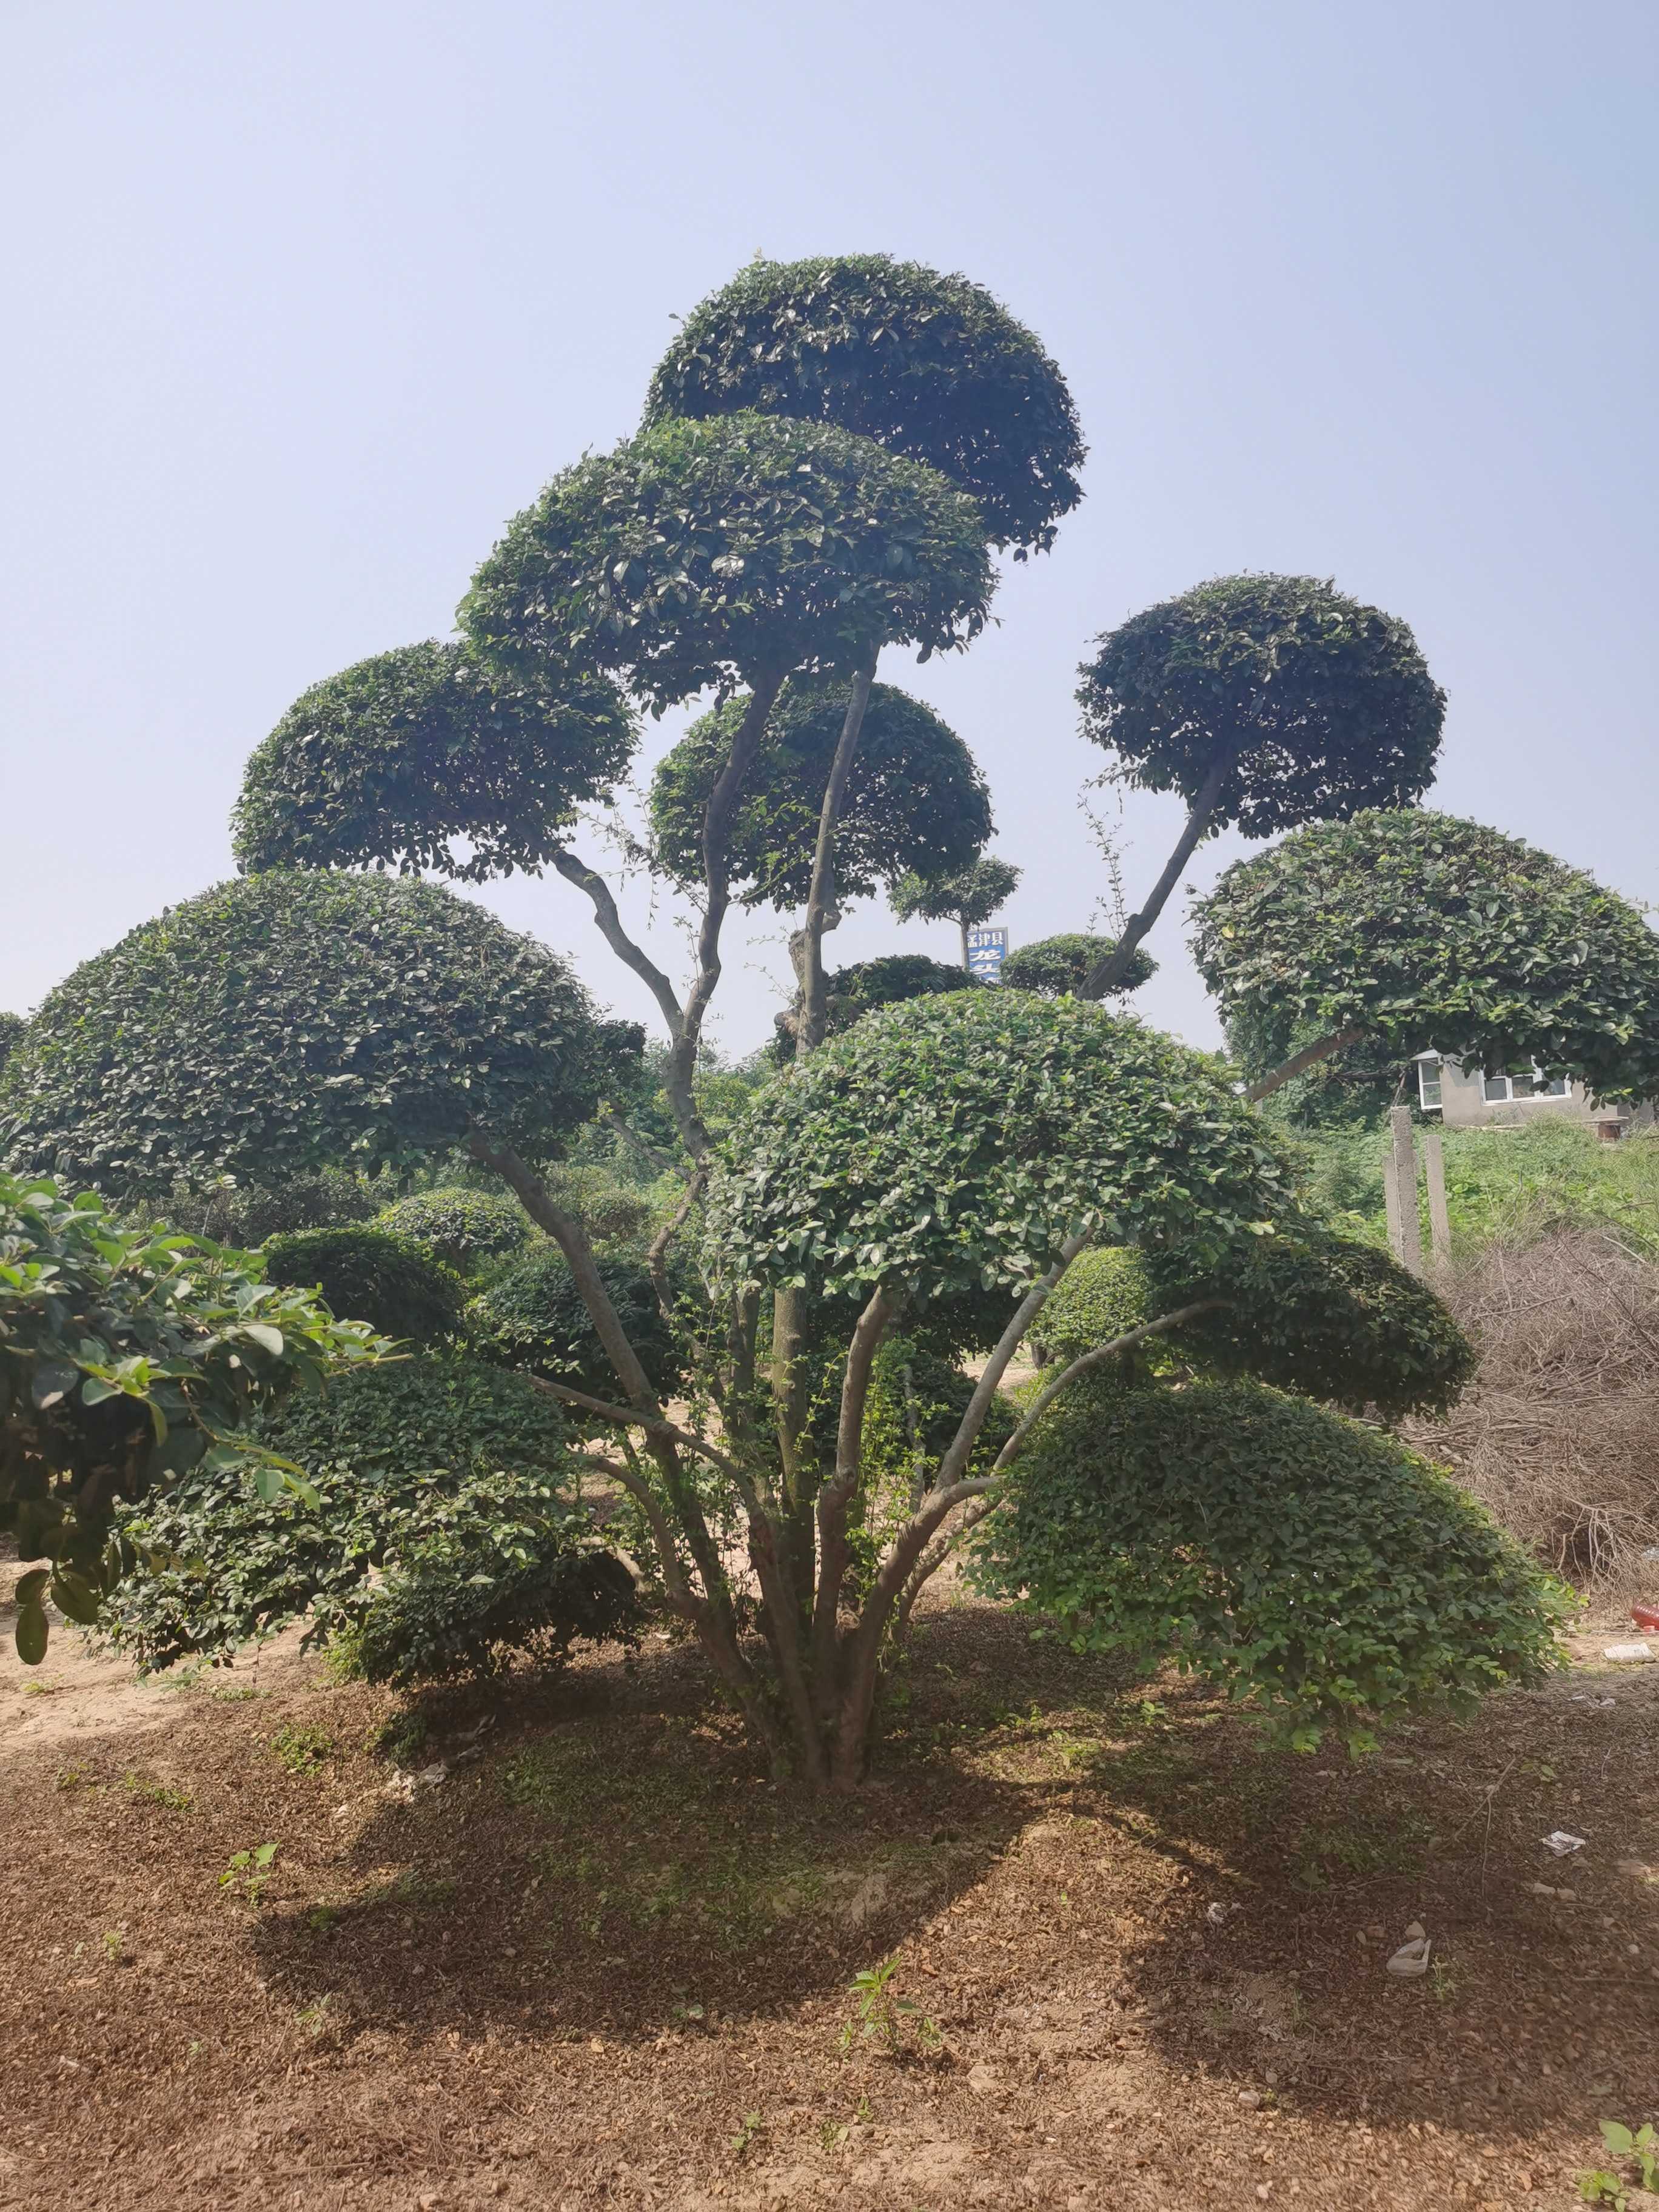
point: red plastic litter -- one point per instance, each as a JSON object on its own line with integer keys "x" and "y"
{"x": 1646, "y": 1617}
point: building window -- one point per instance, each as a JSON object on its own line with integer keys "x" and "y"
{"x": 1502, "y": 1089}
{"x": 1428, "y": 1083}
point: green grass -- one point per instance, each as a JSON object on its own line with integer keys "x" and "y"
{"x": 1548, "y": 1173}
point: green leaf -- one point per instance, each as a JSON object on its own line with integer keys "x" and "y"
{"x": 31, "y": 1634}
{"x": 75, "y": 1599}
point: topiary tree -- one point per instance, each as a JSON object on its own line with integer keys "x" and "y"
{"x": 736, "y": 551}
{"x": 127, "y": 1359}
{"x": 914, "y": 800}
{"x": 938, "y": 1151}
{"x": 1328, "y": 1575}
{"x": 413, "y": 1469}
{"x": 368, "y": 1274}
{"x": 1058, "y": 967}
{"x": 458, "y": 1228}
{"x": 288, "y": 1020}
{"x": 851, "y": 993}
{"x": 929, "y": 366}
{"x": 396, "y": 758}
{"x": 967, "y": 897}
{"x": 1419, "y": 932}
{"x": 1267, "y": 702}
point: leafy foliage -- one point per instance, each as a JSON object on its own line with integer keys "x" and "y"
{"x": 245, "y": 1215}
{"x": 915, "y": 799}
{"x": 11, "y": 1028}
{"x": 1436, "y": 934}
{"x": 398, "y": 756}
{"x": 1323, "y": 705}
{"x": 931, "y": 365}
{"x": 128, "y": 1357}
{"x": 1055, "y": 967}
{"x": 702, "y": 554}
{"x": 967, "y": 895}
{"x": 916, "y": 1402}
{"x": 532, "y": 1316}
{"x": 456, "y": 1227}
{"x": 951, "y": 1144}
{"x": 1309, "y": 1311}
{"x": 286, "y": 1020}
{"x": 1320, "y": 1568}
{"x": 853, "y": 993}
{"x": 503, "y": 1573}
{"x": 1323, "y": 1314}
{"x": 1101, "y": 1296}
{"x": 368, "y": 1275}
{"x": 442, "y": 1409}
{"x": 473, "y": 1564}
{"x": 609, "y": 1209}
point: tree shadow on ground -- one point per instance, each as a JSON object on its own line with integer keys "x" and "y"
{"x": 619, "y": 1862}
{"x": 620, "y": 1866}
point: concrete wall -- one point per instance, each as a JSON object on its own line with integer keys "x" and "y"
{"x": 1464, "y": 1105}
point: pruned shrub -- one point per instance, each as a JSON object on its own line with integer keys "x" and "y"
{"x": 1334, "y": 1579}
{"x": 610, "y": 1211}
{"x": 1058, "y": 966}
{"x": 533, "y": 1316}
{"x": 366, "y": 1275}
{"x": 1101, "y": 1296}
{"x": 1315, "y": 1312}
{"x": 1321, "y": 1313}
{"x": 246, "y": 1214}
{"x": 475, "y": 1566}
{"x": 458, "y": 1228}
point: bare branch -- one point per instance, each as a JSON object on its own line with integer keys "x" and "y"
{"x": 962, "y": 1444}
{"x": 1310, "y": 1056}
{"x": 577, "y": 871}
{"x": 1098, "y": 1357}
{"x": 1106, "y": 975}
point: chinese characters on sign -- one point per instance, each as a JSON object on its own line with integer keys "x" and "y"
{"x": 987, "y": 950}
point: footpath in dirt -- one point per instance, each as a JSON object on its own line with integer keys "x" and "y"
{"x": 268, "y": 1945}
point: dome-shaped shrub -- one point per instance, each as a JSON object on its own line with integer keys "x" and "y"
{"x": 458, "y": 1228}
{"x": 1320, "y": 1568}
{"x": 366, "y": 1275}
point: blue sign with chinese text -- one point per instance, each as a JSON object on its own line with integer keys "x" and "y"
{"x": 987, "y": 950}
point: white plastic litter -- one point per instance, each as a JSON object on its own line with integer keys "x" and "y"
{"x": 1627, "y": 1653}
{"x": 1561, "y": 1843}
{"x": 1411, "y": 1959}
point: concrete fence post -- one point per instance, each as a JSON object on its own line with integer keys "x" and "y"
{"x": 1405, "y": 1224}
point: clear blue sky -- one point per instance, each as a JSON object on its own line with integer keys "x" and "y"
{"x": 304, "y": 302}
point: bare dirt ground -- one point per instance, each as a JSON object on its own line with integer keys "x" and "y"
{"x": 603, "y": 1962}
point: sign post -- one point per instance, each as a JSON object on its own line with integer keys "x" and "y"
{"x": 987, "y": 950}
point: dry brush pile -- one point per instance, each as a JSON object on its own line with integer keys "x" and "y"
{"x": 1558, "y": 1435}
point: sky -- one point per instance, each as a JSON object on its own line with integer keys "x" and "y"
{"x": 304, "y": 303}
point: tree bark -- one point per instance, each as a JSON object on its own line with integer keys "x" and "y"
{"x": 717, "y": 895}
{"x": 1310, "y": 1056}
{"x": 822, "y": 910}
{"x": 962, "y": 930}
{"x": 1106, "y": 975}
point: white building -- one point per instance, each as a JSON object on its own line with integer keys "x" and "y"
{"x": 1468, "y": 1097}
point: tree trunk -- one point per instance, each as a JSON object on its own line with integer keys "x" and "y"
{"x": 1310, "y": 1056}
{"x": 1106, "y": 975}
{"x": 966, "y": 964}
{"x": 822, "y": 910}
